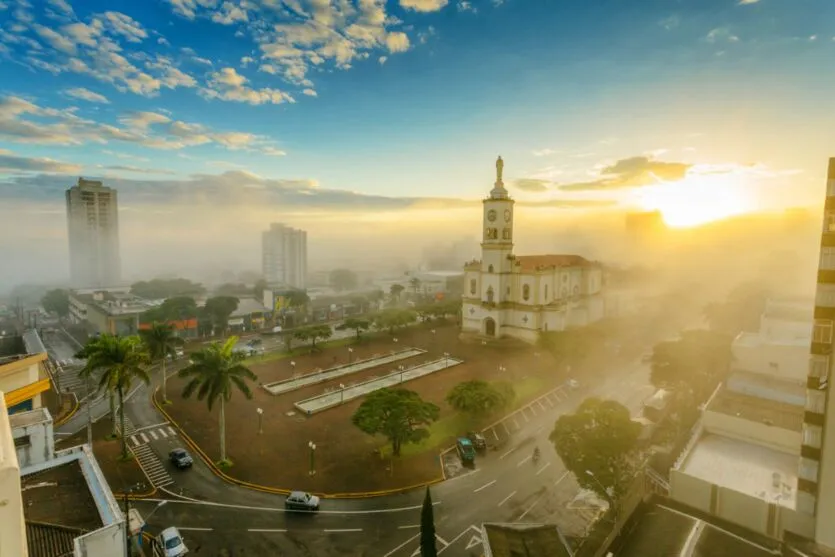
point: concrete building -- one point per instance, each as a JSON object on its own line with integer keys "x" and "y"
{"x": 12, "y": 524}
{"x": 23, "y": 373}
{"x": 284, "y": 256}
{"x": 523, "y": 540}
{"x": 112, "y": 311}
{"x": 93, "y": 231}
{"x": 519, "y": 296}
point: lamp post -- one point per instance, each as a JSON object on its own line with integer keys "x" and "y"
{"x": 293, "y": 367}
{"x": 159, "y": 505}
{"x": 350, "y": 355}
{"x": 446, "y": 359}
{"x": 312, "y": 447}
{"x": 609, "y": 497}
{"x": 341, "y": 393}
{"x": 502, "y": 369}
{"x": 401, "y": 369}
{"x": 89, "y": 411}
{"x": 260, "y": 420}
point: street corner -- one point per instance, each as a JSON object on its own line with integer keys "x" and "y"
{"x": 467, "y": 542}
{"x": 453, "y": 467}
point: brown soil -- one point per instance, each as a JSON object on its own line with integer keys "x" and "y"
{"x": 346, "y": 460}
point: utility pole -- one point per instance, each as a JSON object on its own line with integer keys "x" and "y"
{"x": 127, "y": 521}
{"x": 89, "y": 411}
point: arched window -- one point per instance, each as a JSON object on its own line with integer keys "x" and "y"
{"x": 490, "y": 269}
{"x": 526, "y": 292}
{"x": 576, "y": 291}
{"x": 546, "y": 292}
{"x": 506, "y": 233}
{"x": 472, "y": 286}
{"x": 490, "y": 295}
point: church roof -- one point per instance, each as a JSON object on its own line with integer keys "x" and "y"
{"x": 534, "y": 262}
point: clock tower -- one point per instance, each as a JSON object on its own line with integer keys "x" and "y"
{"x": 497, "y": 241}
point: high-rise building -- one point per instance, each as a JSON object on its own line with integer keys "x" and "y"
{"x": 93, "y": 229}
{"x": 284, "y": 256}
{"x": 816, "y": 475}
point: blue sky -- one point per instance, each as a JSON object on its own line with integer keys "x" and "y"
{"x": 351, "y": 105}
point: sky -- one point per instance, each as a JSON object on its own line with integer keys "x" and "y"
{"x": 375, "y": 125}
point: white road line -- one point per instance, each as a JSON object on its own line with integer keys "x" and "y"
{"x": 527, "y": 419}
{"x": 142, "y": 435}
{"x": 506, "y": 430}
{"x": 540, "y": 428}
{"x": 154, "y": 435}
{"x": 551, "y": 402}
{"x": 560, "y": 479}
{"x": 171, "y": 430}
{"x": 443, "y": 541}
{"x": 401, "y": 546}
{"x": 133, "y": 438}
{"x": 541, "y": 470}
{"x": 506, "y": 499}
{"x": 406, "y": 527}
{"x": 162, "y": 432}
{"x": 523, "y": 461}
{"x": 282, "y": 509}
{"x": 335, "y": 530}
{"x": 541, "y": 405}
{"x": 278, "y": 530}
{"x": 507, "y": 453}
{"x": 515, "y": 423}
{"x": 185, "y": 529}
{"x": 485, "y": 486}
{"x": 147, "y": 427}
{"x": 496, "y": 435}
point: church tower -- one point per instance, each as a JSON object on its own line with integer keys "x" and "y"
{"x": 497, "y": 242}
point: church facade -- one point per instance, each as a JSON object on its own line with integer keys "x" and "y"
{"x": 507, "y": 295}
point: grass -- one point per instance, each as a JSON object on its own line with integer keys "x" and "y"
{"x": 298, "y": 351}
{"x": 224, "y": 464}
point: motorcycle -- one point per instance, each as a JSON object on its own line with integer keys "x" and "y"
{"x": 535, "y": 457}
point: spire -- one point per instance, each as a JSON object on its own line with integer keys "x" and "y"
{"x": 498, "y": 191}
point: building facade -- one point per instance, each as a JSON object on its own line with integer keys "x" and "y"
{"x": 284, "y": 256}
{"x": 93, "y": 232}
{"x": 521, "y": 296}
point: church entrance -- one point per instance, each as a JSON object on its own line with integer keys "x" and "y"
{"x": 489, "y": 327}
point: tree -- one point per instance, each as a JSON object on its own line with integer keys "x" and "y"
{"x": 343, "y": 279}
{"x": 357, "y": 324}
{"x": 161, "y": 343}
{"x": 214, "y": 374}
{"x": 695, "y": 362}
{"x": 398, "y": 414}
{"x": 313, "y": 333}
{"x": 414, "y": 282}
{"x": 476, "y": 398}
{"x": 119, "y": 361}
{"x": 57, "y": 301}
{"x": 258, "y": 289}
{"x": 393, "y": 318}
{"x": 297, "y": 298}
{"x": 596, "y": 444}
{"x": 395, "y": 290}
{"x": 741, "y": 311}
{"x": 571, "y": 346}
{"x": 166, "y": 288}
{"x": 219, "y": 309}
{"x": 428, "y": 547}
{"x": 178, "y": 308}
{"x": 361, "y": 302}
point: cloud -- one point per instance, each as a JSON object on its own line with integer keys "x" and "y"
{"x": 136, "y": 169}
{"x": 229, "y": 85}
{"x": 545, "y": 152}
{"x": 86, "y": 95}
{"x": 229, "y": 14}
{"x": 466, "y": 6}
{"x": 745, "y": 2}
{"x": 62, "y": 5}
{"x": 632, "y": 172}
{"x": 11, "y": 163}
{"x": 670, "y": 22}
{"x": 424, "y": 5}
{"x": 143, "y": 120}
{"x": 532, "y": 184}
{"x": 382, "y": 59}
{"x": 721, "y": 34}
{"x": 397, "y": 42}
{"x": 310, "y": 93}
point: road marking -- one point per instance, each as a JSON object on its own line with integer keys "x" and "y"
{"x": 184, "y": 529}
{"x": 488, "y": 484}
{"x": 507, "y": 453}
{"x": 145, "y": 439}
{"x": 561, "y": 478}
{"x": 133, "y": 438}
{"x": 282, "y": 509}
{"x": 515, "y": 423}
{"x": 496, "y": 435}
{"x": 147, "y": 427}
{"x": 162, "y": 432}
{"x": 527, "y": 419}
{"x": 506, "y": 499}
{"x": 529, "y": 509}
{"x": 506, "y": 430}
{"x": 540, "y": 428}
{"x": 278, "y": 530}
{"x": 443, "y": 541}
{"x": 541, "y": 405}
{"x": 171, "y": 430}
{"x": 154, "y": 435}
{"x": 523, "y": 461}
{"x": 541, "y": 470}
{"x": 549, "y": 401}
{"x": 456, "y": 538}
{"x": 335, "y": 530}
{"x": 406, "y": 527}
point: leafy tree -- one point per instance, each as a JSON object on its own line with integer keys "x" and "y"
{"x": 57, "y": 301}
{"x": 596, "y": 444}
{"x": 343, "y": 279}
{"x": 219, "y": 309}
{"x": 476, "y": 398}
{"x": 312, "y": 334}
{"x": 166, "y": 288}
{"x": 234, "y": 289}
{"x": 258, "y": 289}
{"x": 571, "y": 346}
{"x": 741, "y": 311}
{"x": 428, "y": 546}
{"x": 297, "y": 298}
{"x": 357, "y": 324}
{"x": 415, "y": 283}
{"x": 393, "y": 318}
{"x": 178, "y": 308}
{"x": 396, "y": 290}
{"x": 398, "y": 414}
{"x": 695, "y": 362}
{"x": 361, "y": 302}
{"x": 118, "y": 361}
{"x": 214, "y": 374}
{"x": 161, "y": 343}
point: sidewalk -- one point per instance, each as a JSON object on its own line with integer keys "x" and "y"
{"x": 99, "y": 409}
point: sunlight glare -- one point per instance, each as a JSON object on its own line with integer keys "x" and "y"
{"x": 698, "y": 199}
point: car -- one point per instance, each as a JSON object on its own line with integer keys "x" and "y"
{"x": 465, "y": 450}
{"x": 574, "y": 384}
{"x": 478, "y": 440}
{"x": 172, "y": 543}
{"x": 301, "y": 501}
{"x": 180, "y": 458}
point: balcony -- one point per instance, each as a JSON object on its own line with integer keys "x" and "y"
{"x": 813, "y": 418}
{"x": 807, "y": 486}
{"x": 824, "y": 312}
{"x": 821, "y": 348}
{"x": 828, "y": 239}
{"x": 807, "y": 451}
{"x": 826, "y": 276}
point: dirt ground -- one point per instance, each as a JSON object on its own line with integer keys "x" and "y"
{"x": 120, "y": 475}
{"x": 347, "y": 460}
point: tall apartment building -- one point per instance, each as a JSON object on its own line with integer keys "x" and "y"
{"x": 93, "y": 230}
{"x": 284, "y": 256}
{"x": 816, "y": 474}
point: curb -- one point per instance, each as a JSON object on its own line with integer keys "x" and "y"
{"x": 64, "y": 419}
{"x": 275, "y": 490}
{"x": 133, "y": 496}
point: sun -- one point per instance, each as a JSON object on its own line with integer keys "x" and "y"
{"x": 698, "y": 199}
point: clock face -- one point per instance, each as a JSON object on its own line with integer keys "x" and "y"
{"x": 507, "y": 215}
{"x": 491, "y": 215}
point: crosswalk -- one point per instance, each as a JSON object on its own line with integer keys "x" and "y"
{"x": 150, "y": 463}
{"x": 148, "y": 435}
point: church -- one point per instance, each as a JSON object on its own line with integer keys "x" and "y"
{"x": 507, "y": 295}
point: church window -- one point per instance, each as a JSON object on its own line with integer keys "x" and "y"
{"x": 472, "y": 286}
{"x": 576, "y": 291}
{"x": 546, "y": 292}
{"x": 490, "y": 295}
{"x": 490, "y": 269}
{"x": 526, "y": 292}
{"x": 507, "y": 292}
{"x": 506, "y": 233}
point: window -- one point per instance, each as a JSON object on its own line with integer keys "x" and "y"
{"x": 526, "y": 292}
{"x": 21, "y": 442}
{"x": 490, "y": 295}
{"x": 827, "y": 260}
{"x": 829, "y": 221}
{"x": 472, "y": 286}
{"x": 546, "y": 293}
{"x": 491, "y": 233}
{"x": 818, "y": 366}
{"x": 812, "y": 435}
{"x": 490, "y": 269}
{"x": 565, "y": 278}
{"x": 506, "y": 233}
{"x": 825, "y": 295}
{"x": 808, "y": 469}
{"x": 564, "y": 292}
{"x": 816, "y": 402}
{"x": 576, "y": 291}
{"x": 822, "y": 331}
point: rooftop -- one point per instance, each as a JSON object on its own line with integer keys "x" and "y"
{"x": 756, "y": 340}
{"x": 530, "y": 540}
{"x": 31, "y": 417}
{"x": 49, "y": 540}
{"x": 744, "y": 467}
{"x": 247, "y": 306}
{"x": 756, "y": 409}
{"x": 60, "y": 495}
{"x": 537, "y": 262}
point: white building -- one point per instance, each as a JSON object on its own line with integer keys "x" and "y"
{"x": 284, "y": 256}
{"x": 519, "y": 296}
{"x": 93, "y": 231}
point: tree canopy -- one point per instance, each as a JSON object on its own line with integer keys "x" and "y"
{"x": 395, "y": 290}
{"x": 234, "y": 289}
{"x": 172, "y": 309}
{"x": 398, "y": 414}
{"x": 478, "y": 398}
{"x": 741, "y": 311}
{"x": 57, "y": 301}
{"x": 393, "y": 318}
{"x": 343, "y": 279}
{"x": 220, "y": 308}
{"x": 166, "y": 288}
{"x": 596, "y": 444}
{"x": 357, "y": 324}
{"x": 313, "y": 333}
{"x": 697, "y": 361}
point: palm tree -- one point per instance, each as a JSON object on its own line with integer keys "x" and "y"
{"x": 395, "y": 290}
{"x": 119, "y": 360}
{"x": 161, "y": 343}
{"x": 214, "y": 373}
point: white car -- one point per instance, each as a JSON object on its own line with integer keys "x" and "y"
{"x": 172, "y": 543}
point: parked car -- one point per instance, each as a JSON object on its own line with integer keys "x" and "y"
{"x": 172, "y": 543}
{"x": 301, "y": 501}
{"x": 466, "y": 451}
{"x": 573, "y": 384}
{"x": 478, "y": 441}
{"x": 180, "y": 458}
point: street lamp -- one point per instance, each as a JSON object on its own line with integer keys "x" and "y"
{"x": 341, "y": 393}
{"x": 607, "y": 491}
{"x": 293, "y": 367}
{"x": 312, "y": 447}
{"x": 502, "y": 369}
{"x": 350, "y": 354}
{"x": 260, "y": 420}
{"x": 159, "y": 505}
{"x": 446, "y": 359}
{"x": 401, "y": 369}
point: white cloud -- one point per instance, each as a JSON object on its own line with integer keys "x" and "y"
{"x": 310, "y": 93}
{"x": 721, "y": 34}
{"x": 56, "y": 40}
{"x": 466, "y": 6}
{"x": 545, "y": 152}
{"x": 230, "y": 13}
{"x": 744, "y": 2}
{"x": 397, "y": 42}
{"x": 163, "y": 41}
{"x": 382, "y": 59}
{"x": 12, "y": 163}
{"x": 272, "y": 151}
{"x": 135, "y": 169}
{"x": 123, "y": 25}
{"x": 143, "y": 120}
{"x": 86, "y": 95}
{"x": 424, "y": 5}
{"x": 229, "y": 85}
{"x": 246, "y": 60}
{"x": 62, "y": 5}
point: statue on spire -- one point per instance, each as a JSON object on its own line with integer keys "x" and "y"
{"x": 499, "y": 169}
